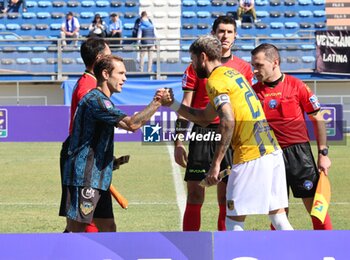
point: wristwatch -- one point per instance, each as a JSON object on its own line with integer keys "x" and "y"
{"x": 324, "y": 151}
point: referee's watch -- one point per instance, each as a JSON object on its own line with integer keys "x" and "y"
{"x": 324, "y": 151}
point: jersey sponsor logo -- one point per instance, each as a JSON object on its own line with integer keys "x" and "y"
{"x": 308, "y": 185}
{"x": 108, "y": 104}
{"x": 184, "y": 80}
{"x": 230, "y": 204}
{"x": 196, "y": 171}
{"x": 220, "y": 100}
{"x": 314, "y": 101}
{"x": 88, "y": 193}
{"x": 86, "y": 207}
{"x": 273, "y": 103}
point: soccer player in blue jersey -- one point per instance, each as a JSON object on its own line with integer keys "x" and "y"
{"x": 88, "y": 168}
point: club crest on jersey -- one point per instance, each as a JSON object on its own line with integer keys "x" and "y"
{"x": 108, "y": 104}
{"x": 88, "y": 193}
{"x": 314, "y": 102}
{"x": 273, "y": 103}
{"x": 184, "y": 80}
{"x": 230, "y": 205}
{"x": 221, "y": 99}
{"x": 308, "y": 185}
{"x": 86, "y": 207}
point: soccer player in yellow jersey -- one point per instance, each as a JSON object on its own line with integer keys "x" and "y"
{"x": 257, "y": 183}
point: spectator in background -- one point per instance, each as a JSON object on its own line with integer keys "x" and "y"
{"x": 115, "y": 27}
{"x": 145, "y": 32}
{"x": 246, "y": 7}
{"x": 137, "y": 24}
{"x": 98, "y": 27}
{"x": 70, "y": 28}
{"x": 14, "y": 5}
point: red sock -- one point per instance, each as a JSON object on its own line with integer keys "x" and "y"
{"x": 91, "y": 228}
{"x": 327, "y": 225}
{"x": 222, "y": 218}
{"x": 192, "y": 217}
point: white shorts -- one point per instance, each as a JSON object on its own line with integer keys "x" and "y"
{"x": 257, "y": 187}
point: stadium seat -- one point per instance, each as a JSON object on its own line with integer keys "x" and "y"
{"x": 261, "y": 2}
{"x": 276, "y": 25}
{"x": 174, "y": 14}
{"x": 290, "y": 14}
{"x": 57, "y": 15}
{"x": 130, "y": 3}
{"x": 102, "y": 4}
{"x": 31, "y": 4}
{"x": 42, "y": 26}
{"x": 51, "y": 61}
{"x": 275, "y": 14}
{"x": 262, "y": 14}
{"x": 44, "y": 4}
{"x": 13, "y": 26}
{"x": 55, "y": 26}
{"x": 187, "y": 26}
{"x": 261, "y": 25}
{"x": 292, "y": 59}
{"x": 87, "y": 15}
{"x": 58, "y": 4}
{"x": 39, "y": 49}
{"x": 79, "y": 60}
{"x": 7, "y": 61}
{"x": 202, "y": 26}
{"x": 307, "y": 47}
{"x": 217, "y": 2}
{"x": 28, "y": 15}
{"x": 13, "y": 16}
{"x": 2, "y": 27}
{"x": 289, "y": 2}
{"x": 116, "y": 4}
{"x": 305, "y": 13}
{"x": 24, "y": 49}
{"x": 128, "y": 26}
{"x": 174, "y": 3}
{"x": 231, "y": 3}
{"x": 132, "y": 15}
{"x": 319, "y": 13}
{"x": 203, "y": 14}
{"x": 84, "y": 26}
{"x": 246, "y": 26}
{"x": 203, "y": 3}
{"x": 103, "y": 15}
{"x": 308, "y": 59}
{"x": 275, "y": 2}
{"x": 186, "y": 60}
{"x": 188, "y": 14}
{"x": 87, "y": 3}
{"x": 67, "y": 61}
{"x": 37, "y": 61}
{"x": 26, "y": 26}
{"x": 145, "y": 3}
{"x": 43, "y": 15}
{"x": 304, "y": 2}
{"x": 22, "y": 61}
{"x": 173, "y": 26}
{"x": 216, "y": 14}
{"x": 73, "y": 4}
{"x": 305, "y": 25}
{"x": 319, "y": 2}
{"x": 320, "y": 25}
{"x": 291, "y": 25}
{"x": 158, "y": 3}
{"x": 277, "y": 35}
{"x": 9, "y": 48}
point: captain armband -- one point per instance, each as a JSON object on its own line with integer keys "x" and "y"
{"x": 220, "y": 100}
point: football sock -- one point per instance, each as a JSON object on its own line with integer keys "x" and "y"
{"x": 222, "y": 217}
{"x": 233, "y": 225}
{"x": 91, "y": 228}
{"x": 327, "y": 225}
{"x": 272, "y": 227}
{"x": 192, "y": 217}
{"x": 280, "y": 221}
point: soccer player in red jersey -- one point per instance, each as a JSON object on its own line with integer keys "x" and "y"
{"x": 91, "y": 51}
{"x": 285, "y": 99}
{"x": 200, "y": 154}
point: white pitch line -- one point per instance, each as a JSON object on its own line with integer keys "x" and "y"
{"x": 178, "y": 182}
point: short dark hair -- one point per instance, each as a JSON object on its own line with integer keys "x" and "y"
{"x": 271, "y": 52}
{"x": 91, "y": 48}
{"x": 105, "y": 63}
{"x": 225, "y": 20}
{"x": 208, "y": 44}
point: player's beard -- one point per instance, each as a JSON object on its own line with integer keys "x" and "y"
{"x": 201, "y": 72}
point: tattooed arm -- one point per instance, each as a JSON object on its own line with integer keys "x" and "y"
{"x": 202, "y": 117}
{"x": 227, "y": 124}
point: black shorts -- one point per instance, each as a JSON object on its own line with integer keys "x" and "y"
{"x": 200, "y": 155}
{"x": 63, "y": 158}
{"x": 84, "y": 204}
{"x": 301, "y": 170}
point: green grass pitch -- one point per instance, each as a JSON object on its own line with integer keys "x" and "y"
{"x": 30, "y": 191}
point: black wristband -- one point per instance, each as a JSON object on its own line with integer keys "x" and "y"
{"x": 181, "y": 125}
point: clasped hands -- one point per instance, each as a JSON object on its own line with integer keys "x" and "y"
{"x": 165, "y": 96}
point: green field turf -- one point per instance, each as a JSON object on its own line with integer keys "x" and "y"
{"x": 30, "y": 191}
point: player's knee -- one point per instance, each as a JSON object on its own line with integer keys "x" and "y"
{"x": 195, "y": 197}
